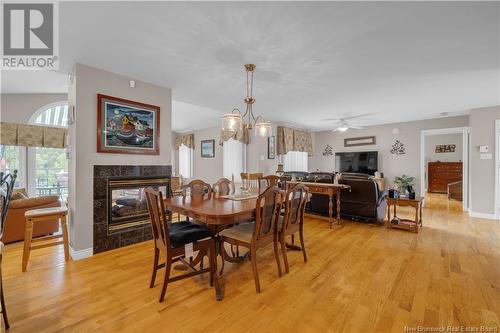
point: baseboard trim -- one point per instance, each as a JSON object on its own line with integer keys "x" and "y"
{"x": 81, "y": 254}
{"x": 487, "y": 216}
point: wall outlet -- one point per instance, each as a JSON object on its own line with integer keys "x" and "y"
{"x": 484, "y": 149}
{"x": 486, "y": 156}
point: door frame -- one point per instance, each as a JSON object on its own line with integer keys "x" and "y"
{"x": 497, "y": 169}
{"x": 465, "y": 159}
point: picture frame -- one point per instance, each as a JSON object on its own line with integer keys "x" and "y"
{"x": 207, "y": 148}
{"x": 445, "y": 148}
{"x": 127, "y": 127}
{"x": 271, "y": 147}
{"x": 359, "y": 141}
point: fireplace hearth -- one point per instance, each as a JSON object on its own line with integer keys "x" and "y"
{"x": 121, "y": 216}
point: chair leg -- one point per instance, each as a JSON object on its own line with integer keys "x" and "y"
{"x": 293, "y": 239}
{"x": 168, "y": 266}
{"x": 2, "y": 299}
{"x": 155, "y": 268}
{"x": 254, "y": 269}
{"x": 211, "y": 258}
{"x": 301, "y": 235}
{"x": 222, "y": 255}
{"x": 283, "y": 251}
{"x": 276, "y": 254}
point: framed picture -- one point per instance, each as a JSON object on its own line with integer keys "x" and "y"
{"x": 271, "y": 147}
{"x": 127, "y": 127}
{"x": 207, "y": 148}
{"x": 359, "y": 141}
{"x": 445, "y": 148}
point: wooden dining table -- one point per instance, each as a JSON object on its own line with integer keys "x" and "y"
{"x": 217, "y": 213}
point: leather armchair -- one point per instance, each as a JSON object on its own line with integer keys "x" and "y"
{"x": 14, "y": 222}
{"x": 365, "y": 200}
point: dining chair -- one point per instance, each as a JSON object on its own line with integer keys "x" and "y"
{"x": 197, "y": 188}
{"x": 272, "y": 180}
{"x": 293, "y": 221}
{"x": 223, "y": 187}
{"x": 172, "y": 238}
{"x": 251, "y": 180}
{"x": 6, "y": 187}
{"x": 259, "y": 234}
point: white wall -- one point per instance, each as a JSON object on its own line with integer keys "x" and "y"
{"x": 83, "y": 92}
{"x": 443, "y": 139}
{"x": 18, "y": 108}
{"x": 482, "y": 172}
{"x": 390, "y": 165}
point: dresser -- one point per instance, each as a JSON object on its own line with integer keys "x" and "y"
{"x": 440, "y": 174}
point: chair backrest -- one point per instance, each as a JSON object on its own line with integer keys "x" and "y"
{"x": 7, "y": 182}
{"x": 250, "y": 180}
{"x": 159, "y": 218}
{"x": 223, "y": 187}
{"x": 272, "y": 180}
{"x": 295, "y": 205}
{"x": 197, "y": 188}
{"x": 268, "y": 208}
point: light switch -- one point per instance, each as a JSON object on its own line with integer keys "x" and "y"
{"x": 484, "y": 149}
{"x": 486, "y": 156}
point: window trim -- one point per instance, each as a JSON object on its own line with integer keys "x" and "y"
{"x": 191, "y": 162}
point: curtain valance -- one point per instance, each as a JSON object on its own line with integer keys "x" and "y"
{"x": 290, "y": 139}
{"x": 241, "y": 136}
{"x": 186, "y": 140}
{"x": 32, "y": 135}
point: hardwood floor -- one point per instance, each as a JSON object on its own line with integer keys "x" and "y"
{"x": 359, "y": 278}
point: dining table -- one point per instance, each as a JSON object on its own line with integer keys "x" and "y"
{"x": 218, "y": 213}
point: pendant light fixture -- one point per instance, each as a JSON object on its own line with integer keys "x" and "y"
{"x": 235, "y": 121}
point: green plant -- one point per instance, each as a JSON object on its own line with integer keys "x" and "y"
{"x": 403, "y": 182}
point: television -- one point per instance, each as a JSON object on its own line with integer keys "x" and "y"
{"x": 360, "y": 162}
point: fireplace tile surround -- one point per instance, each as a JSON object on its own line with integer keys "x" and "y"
{"x": 103, "y": 240}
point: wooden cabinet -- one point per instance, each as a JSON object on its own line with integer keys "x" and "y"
{"x": 440, "y": 174}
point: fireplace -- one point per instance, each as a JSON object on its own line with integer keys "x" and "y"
{"x": 127, "y": 206}
{"x": 121, "y": 217}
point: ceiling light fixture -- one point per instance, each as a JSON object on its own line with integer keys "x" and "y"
{"x": 235, "y": 121}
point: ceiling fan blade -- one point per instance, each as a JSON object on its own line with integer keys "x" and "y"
{"x": 335, "y": 130}
{"x": 356, "y": 127}
{"x": 359, "y": 115}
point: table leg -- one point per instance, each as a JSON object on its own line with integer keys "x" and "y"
{"x": 218, "y": 281}
{"x": 338, "y": 207}
{"x": 330, "y": 209}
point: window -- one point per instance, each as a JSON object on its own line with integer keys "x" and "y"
{"x": 48, "y": 167}
{"x": 12, "y": 158}
{"x": 295, "y": 161}
{"x": 185, "y": 162}
{"x": 234, "y": 158}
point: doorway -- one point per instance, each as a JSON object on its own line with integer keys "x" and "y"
{"x": 444, "y": 166}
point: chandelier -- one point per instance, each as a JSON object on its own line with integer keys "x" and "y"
{"x": 235, "y": 121}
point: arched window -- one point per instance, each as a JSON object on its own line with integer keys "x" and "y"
{"x": 48, "y": 167}
{"x": 54, "y": 114}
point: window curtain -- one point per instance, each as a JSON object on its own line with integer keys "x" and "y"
{"x": 33, "y": 136}
{"x": 233, "y": 158}
{"x": 289, "y": 139}
{"x": 295, "y": 161}
{"x": 185, "y": 161}
{"x": 241, "y": 136}
{"x": 186, "y": 140}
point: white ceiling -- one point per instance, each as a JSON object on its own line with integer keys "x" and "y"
{"x": 398, "y": 60}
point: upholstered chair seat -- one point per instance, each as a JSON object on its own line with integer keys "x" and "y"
{"x": 185, "y": 232}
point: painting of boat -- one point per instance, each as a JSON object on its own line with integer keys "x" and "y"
{"x": 128, "y": 126}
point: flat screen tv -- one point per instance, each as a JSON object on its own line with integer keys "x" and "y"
{"x": 359, "y": 162}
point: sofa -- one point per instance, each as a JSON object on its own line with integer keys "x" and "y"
{"x": 364, "y": 201}
{"x": 14, "y": 222}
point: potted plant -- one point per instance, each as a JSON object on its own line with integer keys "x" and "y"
{"x": 403, "y": 182}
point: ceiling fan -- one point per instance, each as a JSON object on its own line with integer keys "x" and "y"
{"x": 344, "y": 124}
